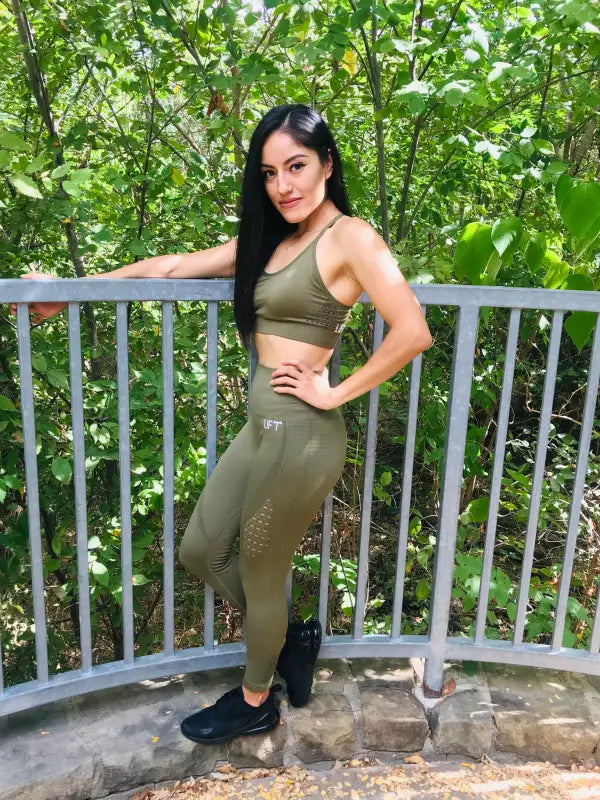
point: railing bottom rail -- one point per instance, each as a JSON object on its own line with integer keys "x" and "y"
{"x": 197, "y": 659}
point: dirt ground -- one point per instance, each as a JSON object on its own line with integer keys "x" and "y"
{"x": 367, "y": 778}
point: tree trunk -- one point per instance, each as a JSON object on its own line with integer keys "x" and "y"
{"x": 37, "y": 83}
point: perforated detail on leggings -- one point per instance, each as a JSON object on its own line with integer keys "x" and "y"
{"x": 256, "y": 534}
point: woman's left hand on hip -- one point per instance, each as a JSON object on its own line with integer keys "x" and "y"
{"x": 294, "y": 376}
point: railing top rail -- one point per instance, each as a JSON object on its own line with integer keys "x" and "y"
{"x": 132, "y": 289}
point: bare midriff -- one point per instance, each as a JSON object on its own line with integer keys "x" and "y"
{"x": 272, "y": 350}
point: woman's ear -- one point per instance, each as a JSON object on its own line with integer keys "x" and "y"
{"x": 329, "y": 163}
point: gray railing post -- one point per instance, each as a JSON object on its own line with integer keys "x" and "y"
{"x": 125, "y": 482}
{"x": 498, "y": 469}
{"x": 362, "y": 572}
{"x": 404, "y": 521}
{"x": 212, "y": 357}
{"x": 334, "y": 379}
{"x": 538, "y": 477}
{"x": 79, "y": 480}
{"x": 168, "y": 490}
{"x": 33, "y": 495}
{"x": 591, "y": 395}
{"x": 454, "y": 453}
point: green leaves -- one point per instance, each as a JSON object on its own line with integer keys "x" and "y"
{"x": 506, "y": 234}
{"x": 6, "y": 404}
{"x": 61, "y": 469}
{"x": 475, "y": 254}
{"x": 454, "y": 92}
{"x": 535, "y": 250}
{"x": 580, "y": 210}
{"x": 563, "y": 186}
{"x": 579, "y": 325}
{"x": 423, "y": 590}
{"x": 177, "y": 177}
{"x": 11, "y": 141}
{"x": 499, "y": 72}
{"x": 557, "y": 273}
{"x": 25, "y": 185}
{"x": 414, "y": 89}
{"x": 100, "y": 572}
{"x": 476, "y": 511}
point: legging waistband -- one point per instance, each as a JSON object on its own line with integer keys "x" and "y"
{"x": 266, "y": 402}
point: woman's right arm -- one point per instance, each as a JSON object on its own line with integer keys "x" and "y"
{"x": 214, "y": 262}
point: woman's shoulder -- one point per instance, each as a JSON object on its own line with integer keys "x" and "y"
{"x": 355, "y": 225}
{"x": 354, "y": 242}
{"x": 355, "y": 232}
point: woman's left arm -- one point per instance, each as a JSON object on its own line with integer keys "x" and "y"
{"x": 376, "y": 270}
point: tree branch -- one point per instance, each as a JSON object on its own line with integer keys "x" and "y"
{"x": 442, "y": 38}
{"x": 485, "y": 116}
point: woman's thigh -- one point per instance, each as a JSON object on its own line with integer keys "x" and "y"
{"x": 216, "y": 517}
{"x": 296, "y": 465}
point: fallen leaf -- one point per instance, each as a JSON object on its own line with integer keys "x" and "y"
{"x": 155, "y": 738}
{"x": 226, "y": 768}
{"x": 449, "y": 687}
{"x": 414, "y": 758}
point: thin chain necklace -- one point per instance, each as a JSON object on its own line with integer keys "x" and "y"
{"x": 289, "y": 246}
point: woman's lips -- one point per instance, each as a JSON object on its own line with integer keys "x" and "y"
{"x": 291, "y": 203}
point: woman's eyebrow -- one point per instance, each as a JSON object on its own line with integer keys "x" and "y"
{"x": 291, "y": 158}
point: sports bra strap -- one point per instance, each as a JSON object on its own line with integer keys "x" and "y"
{"x": 329, "y": 224}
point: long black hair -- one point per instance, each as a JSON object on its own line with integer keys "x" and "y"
{"x": 261, "y": 226}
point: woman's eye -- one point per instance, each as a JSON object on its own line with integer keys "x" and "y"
{"x": 268, "y": 172}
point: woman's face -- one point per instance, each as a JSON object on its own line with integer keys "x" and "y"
{"x": 293, "y": 172}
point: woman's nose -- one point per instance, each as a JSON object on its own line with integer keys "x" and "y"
{"x": 283, "y": 182}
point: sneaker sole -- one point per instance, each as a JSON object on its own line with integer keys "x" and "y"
{"x": 260, "y": 728}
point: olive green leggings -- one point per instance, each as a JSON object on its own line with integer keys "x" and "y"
{"x": 266, "y": 489}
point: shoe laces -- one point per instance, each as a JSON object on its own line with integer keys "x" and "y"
{"x": 226, "y": 702}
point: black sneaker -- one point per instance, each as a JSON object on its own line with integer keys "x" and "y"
{"x": 231, "y": 716}
{"x": 297, "y": 659}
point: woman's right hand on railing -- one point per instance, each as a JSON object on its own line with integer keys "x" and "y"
{"x": 39, "y": 311}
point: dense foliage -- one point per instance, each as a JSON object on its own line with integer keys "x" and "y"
{"x": 469, "y": 136}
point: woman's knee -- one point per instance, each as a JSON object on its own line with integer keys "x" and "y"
{"x": 195, "y": 551}
{"x": 204, "y": 555}
{"x": 192, "y": 555}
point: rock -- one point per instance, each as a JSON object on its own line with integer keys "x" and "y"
{"x": 542, "y": 714}
{"x": 323, "y": 729}
{"x": 51, "y": 766}
{"x": 259, "y": 750}
{"x": 392, "y": 719}
{"x": 330, "y": 675}
{"x": 145, "y": 745}
{"x": 142, "y": 693}
{"x": 383, "y": 672}
{"x": 463, "y": 724}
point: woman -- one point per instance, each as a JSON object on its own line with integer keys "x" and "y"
{"x": 277, "y": 471}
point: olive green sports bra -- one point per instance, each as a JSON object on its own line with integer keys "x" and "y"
{"x": 295, "y": 303}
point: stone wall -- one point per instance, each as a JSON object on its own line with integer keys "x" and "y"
{"x": 115, "y": 740}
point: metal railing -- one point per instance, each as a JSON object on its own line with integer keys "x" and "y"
{"x": 436, "y": 646}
